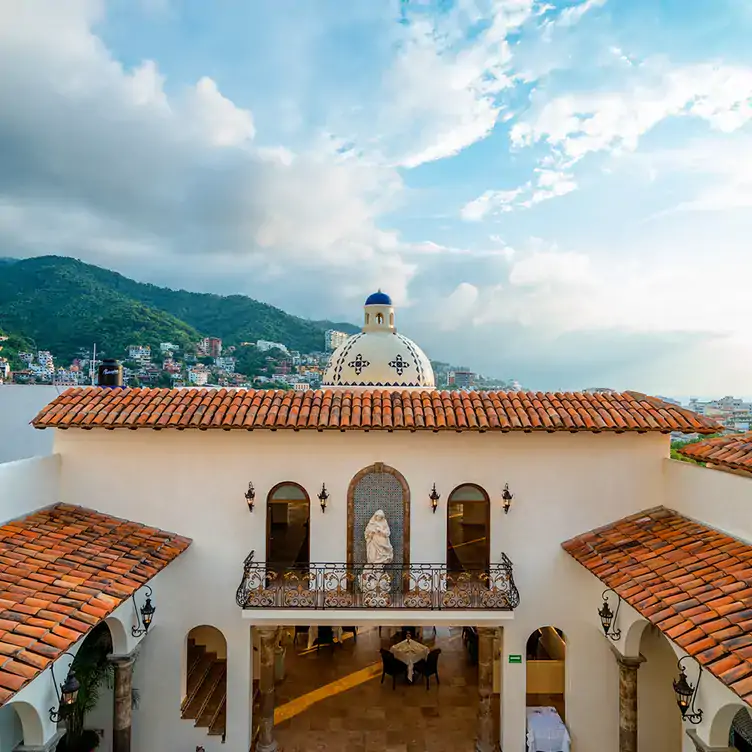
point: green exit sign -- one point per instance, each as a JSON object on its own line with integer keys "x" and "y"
{"x": 515, "y": 658}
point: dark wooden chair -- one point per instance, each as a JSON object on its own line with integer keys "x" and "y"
{"x": 300, "y": 631}
{"x": 430, "y": 666}
{"x": 352, "y": 630}
{"x": 392, "y": 667}
{"x": 326, "y": 637}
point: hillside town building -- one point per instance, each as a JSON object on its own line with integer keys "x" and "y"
{"x": 286, "y": 565}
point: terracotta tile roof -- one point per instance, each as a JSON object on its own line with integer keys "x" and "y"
{"x": 733, "y": 452}
{"x": 62, "y": 571}
{"x": 94, "y": 407}
{"x": 693, "y": 582}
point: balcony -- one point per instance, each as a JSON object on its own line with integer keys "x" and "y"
{"x": 327, "y": 586}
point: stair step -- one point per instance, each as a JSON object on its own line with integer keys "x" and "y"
{"x": 196, "y": 677}
{"x": 195, "y": 706}
{"x": 217, "y": 727}
{"x": 213, "y": 701}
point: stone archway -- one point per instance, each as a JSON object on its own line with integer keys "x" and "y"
{"x": 378, "y": 486}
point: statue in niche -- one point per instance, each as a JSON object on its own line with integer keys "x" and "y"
{"x": 379, "y": 549}
{"x": 376, "y": 584}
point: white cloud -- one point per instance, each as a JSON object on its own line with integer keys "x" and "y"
{"x": 547, "y": 183}
{"x": 101, "y": 161}
{"x": 442, "y": 92}
{"x": 578, "y": 124}
{"x": 573, "y": 15}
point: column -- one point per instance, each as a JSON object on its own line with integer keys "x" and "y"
{"x": 485, "y": 741}
{"x": 628, "y": 703}
{"x": 122, "y": 712}
{"x": 267, "y": 639}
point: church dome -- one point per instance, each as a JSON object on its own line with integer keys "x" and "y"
{"x": 378, "y": 357}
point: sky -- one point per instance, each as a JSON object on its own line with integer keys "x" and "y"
{"x": 557, "y": 192}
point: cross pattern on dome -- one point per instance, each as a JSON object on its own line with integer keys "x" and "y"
{"x": 399, "y": 365}
{"x": 359, "y": 364}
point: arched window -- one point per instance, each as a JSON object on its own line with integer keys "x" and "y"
{"x": 288, "y": 512}
{"x": 379, "y": 318}
{"x": 468, "y": 529}
{"x": 391, "y": 319}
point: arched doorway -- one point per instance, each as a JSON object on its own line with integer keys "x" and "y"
{"x": 378, "y": 487}
{"x": 659, "y": 719}
{"x": 468, "y": 529}
{"x": 205, "y": 691}
{"x": 546, "y": 669}
{"x": 288, "y": 513}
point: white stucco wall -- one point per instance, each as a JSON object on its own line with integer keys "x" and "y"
{"x": 716, "y": 498}
{"x": 27, "y": 485}
{"x": 193, "y": 483}
{"x": 18, "y": 405}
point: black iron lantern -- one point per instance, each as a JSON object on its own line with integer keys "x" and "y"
{"x": 608, "y": 617}
{"x": 686, "y": 694}
{"x": 323, "y": 497}
{"x": 67, "y": 693}
{"x": 147, "y": 614}
{"x": 506, "y": 498}
{"x": 434, "y": 497}
{"x": 250, "y": 496}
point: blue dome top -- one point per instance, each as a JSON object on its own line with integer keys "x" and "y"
{"x": 378, "y": 298}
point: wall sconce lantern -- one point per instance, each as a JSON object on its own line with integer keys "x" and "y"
{"x": 250, "y": 496}
{"x": 434, "y": 497}
{"x": 66, "y": 693}
{"x": 686, "y": 694}
{"x": 506, "y": 498}
{"x": 147, "y": 614}
{"x": 608, "y": 617}
{"x": 323, "y": 497}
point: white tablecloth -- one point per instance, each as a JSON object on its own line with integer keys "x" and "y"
{"x": 546, "y": 731}
{"x": 313, "y": 633}
{"x": 410, "y": 652}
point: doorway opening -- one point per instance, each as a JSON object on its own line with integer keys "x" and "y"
{"x": 288, "y": 526}
{"x": 545, "y": 669}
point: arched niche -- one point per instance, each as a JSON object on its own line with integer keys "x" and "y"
{"x": 204, "y": 689}
{"x": 468, "y": 528}
{"x": 20, "y": 722}
{"x": 375, "y": 487}
{"x": 288, "y": 515}
{"x": 545, "y": 669}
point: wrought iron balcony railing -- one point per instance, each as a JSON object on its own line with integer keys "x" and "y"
{"x": 364, "y": 586}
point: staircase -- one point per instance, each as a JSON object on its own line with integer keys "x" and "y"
{"x": 206, "y": 691}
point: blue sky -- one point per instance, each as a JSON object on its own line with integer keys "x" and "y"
{"x": 557, "y": 192}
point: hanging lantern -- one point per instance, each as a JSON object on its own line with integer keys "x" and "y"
{"x": 147, "y": 614}
{"x": 323, "y": 497}
{"x": 686, "y": 694}
{"x": 250, "y": 496}
{"x": 506, "y": 498}
{"x": 608, "y": 617}
{"x": 434, "y": 497}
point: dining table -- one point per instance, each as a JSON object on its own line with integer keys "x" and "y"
{"x": 546, "y": 731}
{"x": 410, "y": 651}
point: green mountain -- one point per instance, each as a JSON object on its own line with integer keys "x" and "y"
{"x": 63, "y": 305}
